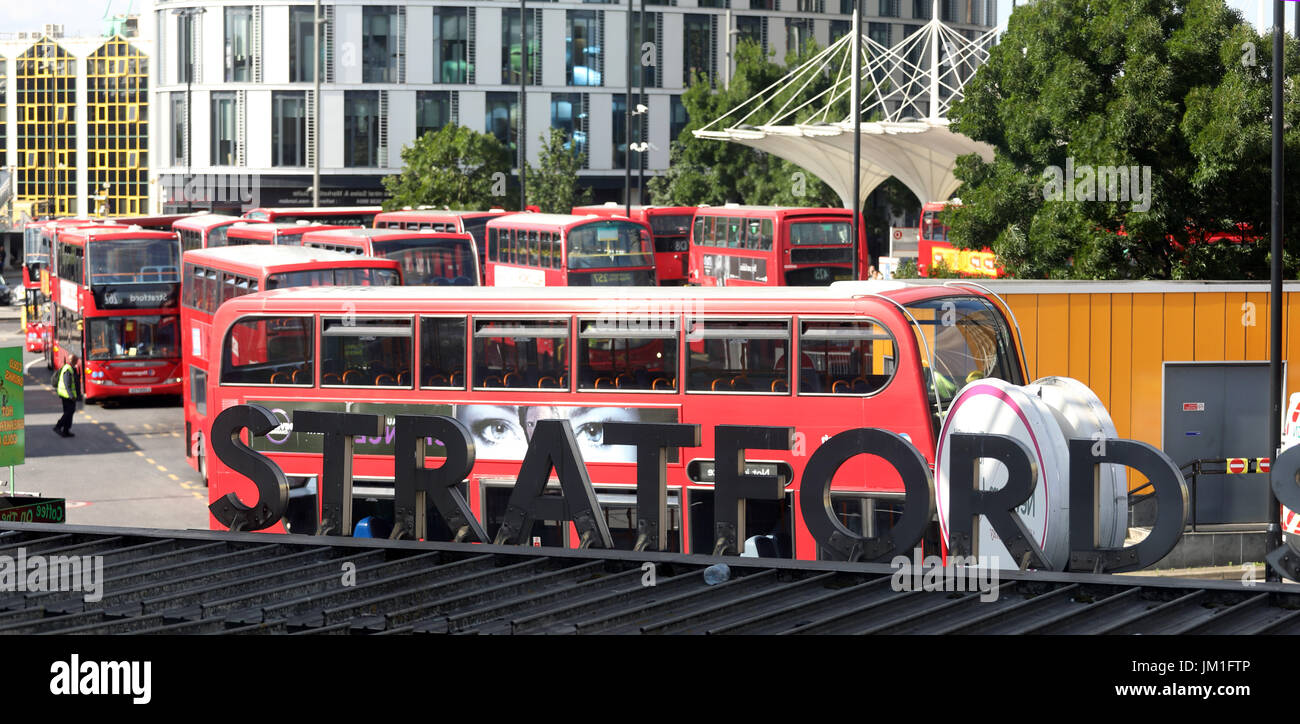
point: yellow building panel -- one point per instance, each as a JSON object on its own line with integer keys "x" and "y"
{"x": 1208, "y": 345}
{"x": 1257, "y": 333}
{"x": 1121, "y": 358}
{"x": 1025, "y": 308}
{"x": 1234, "y": 326}
{"x": 1147, "y": 367}
{"x": 1097, "y": 343}
{"x": 1053, "y": 335}
{"x": 1180, "y": 327}
{"x": 1290, "y": 345}
{"x": 1077, "y": 341}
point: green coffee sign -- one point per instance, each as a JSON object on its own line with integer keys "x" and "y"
{"x": 12, "y": 436}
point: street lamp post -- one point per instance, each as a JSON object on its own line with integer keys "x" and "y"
{"x": 315, "y": 106}
{"x": 856, "y": 103}
{"x": 641, "y": 118}
{"x": 523, "y": 104}
{"x": 627, "y": 121}
{"x": 1274, "y": 532}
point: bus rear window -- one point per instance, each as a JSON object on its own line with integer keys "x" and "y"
{"x": 815, "y": 233}
{"x": 528, "y": 354}
{"x": 845, "y": 358}
{"x": 738, "y": 356}
{"x": 365, "y": 352}
{"x": 636, "y": 354}
{"x": 268, "y": 350}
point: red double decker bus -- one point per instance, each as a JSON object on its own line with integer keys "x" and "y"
{"x": 202, "y": 231}
{"x": 38, "y": 313}
{"x": 428, "y": 258}
{"x": 822, "y": 360}
{"x": 670, "y": 228}
{"x": 245, "y": 233}
{"x": 336, "y": 215}
{"x": 473, "y": 223}
{"x": 116, "y": 301}
{"x": 774, "y": 246}
{"x": 561, "y": 250}
{"x": 214, "y": 276}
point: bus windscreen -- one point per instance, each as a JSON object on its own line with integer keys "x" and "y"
{"x": 145, "y": 337}
{"x": 135, "y": 261}
{"x": 609, "y": 244}
{"x": 431, "y": 262}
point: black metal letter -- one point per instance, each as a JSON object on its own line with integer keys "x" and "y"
{"x": 732, "y": 486}
{"x": 335, "y": 488}
{"x": 652, "y": 441}
{"x": 554, "y": 447}
{"x": 1171, "y": 505}
{"x": 841, "y": 544}
{"x": 414, "y": 485}
{"x": 272, "y": 488}
{"x": 968, "y": 502}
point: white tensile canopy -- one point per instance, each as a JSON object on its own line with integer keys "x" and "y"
{"x": 908, "y": 89}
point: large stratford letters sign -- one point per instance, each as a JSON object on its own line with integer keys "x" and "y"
{"x": 554, "y": 448}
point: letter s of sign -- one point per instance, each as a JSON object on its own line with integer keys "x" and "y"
{"x": 272, "y": 487}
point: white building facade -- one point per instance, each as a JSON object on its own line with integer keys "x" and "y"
{"x": 234, "y": 100}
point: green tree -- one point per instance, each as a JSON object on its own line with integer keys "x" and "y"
{"x": 1164, "y": 85}
{"x": 454, "y": 167}
{"x": 704, "y": 171}
{"x": 553, "y": 186}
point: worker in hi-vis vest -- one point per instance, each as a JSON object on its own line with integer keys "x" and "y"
{"x": 69, "y": 389}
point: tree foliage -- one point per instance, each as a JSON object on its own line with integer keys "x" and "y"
{"x": 704, "y": 171}
{"x": 1177, "y": 86}
{"x": 553, "y": 186}
{"x": 455, "y": 167}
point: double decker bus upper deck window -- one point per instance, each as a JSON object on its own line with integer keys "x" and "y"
{"x": 845, "y": 358}
{"x": 442, "y": 352}
{"x": 341, "y": 277}
{"x": 146, "y": 337}
{"x": 217, "y": 236}
{"x": 728, "y": 355}
{"x": 966, "y": 339}
{"x": 820, "y": 233}
{"x": 636, "y": 354}
{"x": 269, "y": 350}
{"x": 522, "y": 354}
{"x": 135, "y": 261}
{"x": 365, "y": 352}
{"x": 604, "y": 244}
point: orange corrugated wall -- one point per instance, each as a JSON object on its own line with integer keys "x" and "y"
{"x": 1117, "y": 344}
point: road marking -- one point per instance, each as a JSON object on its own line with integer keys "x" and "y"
{"x": 161, "y": 468}
{"x": 151, "y": 461}
{"x": 172, "y": 476}
{"x": 147, "y": 426}
{"x": 189, "y": 485}
{"x": 138, "y": 452}
{"x": 197, "y": 494}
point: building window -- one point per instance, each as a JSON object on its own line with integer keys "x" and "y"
{"x": 361, "y": 129}
{"x": 618, "y": 120}
{"x": 677, "y": 118}
{"x": 185, "y": 48}
{"x": 991, "y": 12}
{"x": 698, "y": 48}
{"x": 715, "y": 3}
{"x": 583, "y": 59}
{"x": 840, "y": 28}
{"x": 762, "y": 4}
{"x": 450, "y": 45}
{"x": 751, "y": 28}
{"x": 948, "y": 11}
{"x": 503, "y": 117}
{"x": 289, "y": 129}
{"x": 379, "y": 41}
{"x": 889, "y": 8}
{"x": 638, "y": 38}
{"x": 225, "y": 137}
{"x": 879, "y": 32}
{"x": 239, "y": 58}
{"x": 798, "y": 31}
{"x": 302, "y": 39}
{"x": 432, "y": 111}
{"x": 180, "y": 121}
{"x": 511, "y": 59}
{"x": 569, "y": 114}
{"x": 811, "y": 6}
{"x": 921, "y": 9}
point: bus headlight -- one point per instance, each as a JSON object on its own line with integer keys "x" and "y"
{"x": 172, "y": 381}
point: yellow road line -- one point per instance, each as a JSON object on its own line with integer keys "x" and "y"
{"x": 197, "y": 494}
{"x": 141, "y": 454}
{"x": 151, "y": 461}
{"x": 161, "y": 468}
{"x": 172, "y": 476}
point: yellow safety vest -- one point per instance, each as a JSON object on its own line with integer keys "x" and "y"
{"x": 64, "y": 392}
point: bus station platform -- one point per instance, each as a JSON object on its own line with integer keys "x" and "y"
{"x": 204, "y": 582}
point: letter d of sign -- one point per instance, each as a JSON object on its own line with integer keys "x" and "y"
{"x": 1284, "y": 477}
{"x": 554, "y": 447}
{"x": 415, "y": 485}
{"x": 1171, "y": 505}
{"x": 732, "y": 485}
{"x": 272, "y": 488}
{"x": 969, "y": 503}
{"x": 839, "y": 543}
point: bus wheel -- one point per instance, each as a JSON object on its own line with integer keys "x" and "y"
{"x": 203, "y": 464}
{"x": 49, "y": 359}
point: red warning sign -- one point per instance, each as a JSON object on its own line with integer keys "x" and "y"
{"x": 1236, "y": 465}
{"x": 1193, "y": 407}
{"x": 1262, "y": 465}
